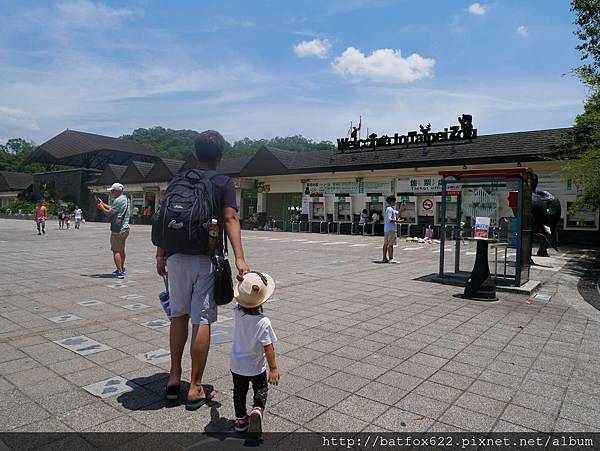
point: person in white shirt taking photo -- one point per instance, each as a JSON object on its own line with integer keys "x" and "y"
{"x": 390, "y": 230}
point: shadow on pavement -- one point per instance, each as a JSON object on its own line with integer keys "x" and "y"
{"x": 98, "y": 276}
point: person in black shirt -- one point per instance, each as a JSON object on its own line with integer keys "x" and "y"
{"x": 191, "y": 280}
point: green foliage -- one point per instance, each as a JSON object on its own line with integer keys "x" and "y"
{"x": 176, "y": 144}
{"x": 581, "y": 150}
{"x": 26, "y": 207}
{"x": 588, "y": 32}
{"x": 297, "y": 143}
{"x": 14, "y": 153}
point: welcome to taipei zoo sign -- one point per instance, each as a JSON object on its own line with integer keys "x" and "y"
{"x": 462, "y": 132}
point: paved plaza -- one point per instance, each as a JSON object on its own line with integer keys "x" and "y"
{"x": 362, "y": 347}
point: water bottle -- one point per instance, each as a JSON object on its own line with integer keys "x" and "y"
{"x": 164, "y": 298}
{"x": 213, "y": 233}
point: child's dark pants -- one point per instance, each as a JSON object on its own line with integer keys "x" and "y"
{"x": 240, "y": 391}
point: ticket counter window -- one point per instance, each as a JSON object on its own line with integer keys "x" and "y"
{"x": 317, "y": 211}
{"x": 451, "y": 211}
{"x": 407, "y": 211}
{"x": 375, "y": 207}
{"x": 584, "y": 218}
{"x": 342, "y": 211}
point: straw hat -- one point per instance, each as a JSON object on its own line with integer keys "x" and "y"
{"x": 253, "y": 289}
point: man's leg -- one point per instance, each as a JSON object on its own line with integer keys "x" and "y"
{"x": 177, "y": 339}
{"x": 199, "y": 351}
{"x": 391, "y": 251}
{"x": 118, "y": 261}
{"x": 123, "y": 259}
{"x": 39, "y": 225}
{"x": 384, "y": 251}
{"x": 44, "y": 227}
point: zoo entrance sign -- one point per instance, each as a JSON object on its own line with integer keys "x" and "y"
{"x": 462, "y": 132}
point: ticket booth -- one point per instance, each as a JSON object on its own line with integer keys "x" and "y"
{"x": 500, "y": 198}
{"x": 316, "y": 213}
{"x": 407, "y": 213}
{"x": 375, "y": 204}
{"x": 342, "y": 213}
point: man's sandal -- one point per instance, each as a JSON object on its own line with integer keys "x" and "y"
{"x": 196, "y": 404}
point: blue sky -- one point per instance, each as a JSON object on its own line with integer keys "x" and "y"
{"x": 278, "y": 67}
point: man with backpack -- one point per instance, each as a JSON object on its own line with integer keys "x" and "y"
{"x": 181, "y": 233}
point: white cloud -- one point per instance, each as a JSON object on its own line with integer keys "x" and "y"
{"x": 523, "y": 31}
{"x": 316, "y": 47}
{"x": 85, "y": 13}
{"x": 386, "y": 65}
{"x": 15, "y": 118}
{"x": 477, "y": 9}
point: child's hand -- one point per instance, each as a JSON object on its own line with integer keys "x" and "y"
{"x": 274, "y": 377}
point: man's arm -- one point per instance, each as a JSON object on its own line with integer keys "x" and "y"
{"x": 232, "y": 227}
{"x": 104, "y": 208}
{"x": 161, "y": 262}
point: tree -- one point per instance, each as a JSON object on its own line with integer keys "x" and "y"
{"x": 581, "y": 150}
{"x": 176, "y": 144}
{"x": 296, "y": 143}
{"x": 14, "y": 153}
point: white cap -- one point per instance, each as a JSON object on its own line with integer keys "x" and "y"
{"x": 116, "y": 187}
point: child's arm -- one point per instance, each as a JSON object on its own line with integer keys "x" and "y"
{"x": 273, "y": 371}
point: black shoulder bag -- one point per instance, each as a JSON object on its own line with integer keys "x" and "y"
{"x": 222, "y": 270}
{"x": 117, "y": 223}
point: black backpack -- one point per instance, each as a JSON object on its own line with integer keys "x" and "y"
{"x": 181, "y": 226}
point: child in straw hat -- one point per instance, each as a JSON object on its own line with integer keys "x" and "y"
{"x": 253, "y": 339}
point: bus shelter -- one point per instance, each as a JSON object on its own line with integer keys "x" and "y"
{"x": 500, "y": 199}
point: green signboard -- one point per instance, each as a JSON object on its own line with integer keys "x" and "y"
{"x": 341, "y": 199}
{"x": 375, "y": 199}
{"x": 249, "y": 194}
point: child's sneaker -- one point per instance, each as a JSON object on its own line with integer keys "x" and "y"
{"x": 255, "y": 426}
{"x": 241, "y": 424}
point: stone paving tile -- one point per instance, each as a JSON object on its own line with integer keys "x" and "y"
{"x": 89, "y": 375}
{"x": 564, "y": 425}
{"x": 400, "y": 380}
{"x": 438, "y": 391}
{"x": 538, "y": 403}
{"x": 528, "y": 418}
{"x": 322, "y": 394}
{"x": 383, "y": 393}
{"x": 505, "y": 426}
{"x": 361, "y": 408}
{"x": 331, "y": 421}
{"x": 58, "y": 403}
{"x": 493, "y": 391}
{"x": 313, "y": 372}
{"x": 415, "y": 369}
{"x": 452, "y": 379}
{"x": 297, "y": 410}
{"x": 581, "y": 415}
{"x": 14, "y": 366}
{"x": 32, "y": 376}
{"x": 399, "y": 420}
{"x": 467, "y": 419}
{"x": 422, "y": 405}
{"x": 481, "y": 404}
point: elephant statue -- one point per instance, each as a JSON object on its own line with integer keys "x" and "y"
{"x": 546, "y": 211}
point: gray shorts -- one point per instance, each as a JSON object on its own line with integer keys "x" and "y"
{"x": 191, "y": 288}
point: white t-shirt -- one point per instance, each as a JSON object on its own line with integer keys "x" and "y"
{"x": 251, "y": 334}
{"x": 78, "y": 213}
{"x": 375, "y": 217}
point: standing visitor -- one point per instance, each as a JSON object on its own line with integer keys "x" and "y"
{"x": 61, "y": 218}
{"x": 390, "y": 230}
{"x": 78, "y": 216}
{"x": 191, "y": 276}
{"x": 118, "y": 213}
{"x": 136, "y": 213}
{"x": 253, "y": 340}
{"x": 362, "y": 220}
{"x": 41, "y": 214}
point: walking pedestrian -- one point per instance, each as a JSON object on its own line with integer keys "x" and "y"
{"x": 61, "y": 217}
{"x": 118, "y": 213}
{"x": 41, "y": 214}
{"x": 191, "y": 277}
{"x": 78, "y": 216}
{"x": 253, "y": 340}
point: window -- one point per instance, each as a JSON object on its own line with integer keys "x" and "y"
{"x": 584, "y": 218}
